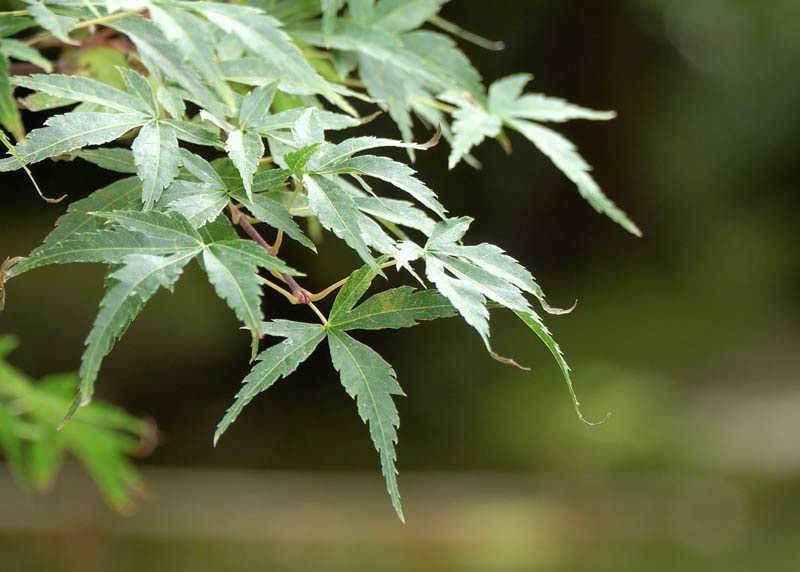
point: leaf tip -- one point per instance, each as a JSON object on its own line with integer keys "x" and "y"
{"x": 508, "y": 361}
{"x": 79, "y": 401}
{"x": 592, "y": 423}
{"x": 552, "y": 310}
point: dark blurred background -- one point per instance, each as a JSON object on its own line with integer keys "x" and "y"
{"x": 688, "y": 335}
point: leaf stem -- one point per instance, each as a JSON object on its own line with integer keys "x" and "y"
{"x": 319, "y": 314}
{"x": 336, "y": 285}
{"x": 433, "y": 103}
{"x": 466, "y": 35}
{"x": 36, "y": 38}
{"x": 299, "y": 294}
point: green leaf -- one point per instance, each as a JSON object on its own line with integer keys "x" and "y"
{"x": 401, "y": 307}
{"x": 275, "y": 215}
{"x": 10, "y": 117}
{"x": 232, "y": 268}
{"x": 117, "y": 159}
{"x": 157, "y": 158}
{"x": 156, "y": 48}
{"x": 137, "y": 85}
{"x": 245, "y": 149}
{"x": 330, "y": 8}
{"x": 564, "y": 156}
{"x": 200, "y": 203}
{"x": 71, "y": 131}
{"x": 338, "y": 213}
{"x": 505, "y": 100}
{"x": 495, "y": 261}
{"x": 81, "y": 89}
{"x": 274, "y": 363}
{"x": 119, "y": 195}
{"x": 534, "y": 322}
{"x": 130, "y": 287}
{"x": 353, "y": 289}
{"x": 404, "y": 15}
{"x": 11, "y": 23}
{"x": 191, "y": 35}
{"x": 470, "y": 127}
{"x": 255, "y": 105}
{"x": 101, "y": 438}
{"x": 465, "y": 296}
{"x": 56, "y": 24}
{"x": 168, "y": 228}
{"x": 396, "y": 212}
{"x": 371, "y": 381}
{"x": 393, "y": 172}
{"x": 24, "y": 53}
{"x": 263, "y": 36}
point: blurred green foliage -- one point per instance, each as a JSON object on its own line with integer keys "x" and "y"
{"x": 102, "y": 439}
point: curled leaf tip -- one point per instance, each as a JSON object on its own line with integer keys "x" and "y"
{"x": 4, "y": 268}
{"x": 592, "y": 423}
{"x": 433, "y": 141}
{"x": 557, "y": 311}
{"x": 508, "y": 361}
{"x": 371, "y": 117}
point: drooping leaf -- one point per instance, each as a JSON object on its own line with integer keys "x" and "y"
{"x": 130, "y": 287}
{"x": 564, "y": 155}
{"x": 371, "y": 381}
{"x": 534, "y": 322}
{"x": 274, "y": 363}
{"x": 232, "y": 268}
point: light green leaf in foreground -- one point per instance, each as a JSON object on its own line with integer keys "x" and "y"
{"x": 71, "y": 131}
{"x": 274, "y": 363}
{"x": 157, "y": 158}
{"x": 371, "y": 381}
